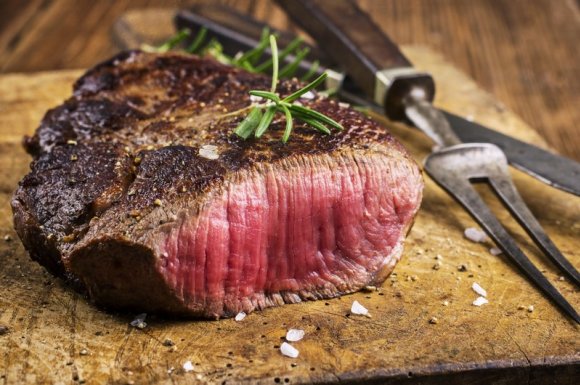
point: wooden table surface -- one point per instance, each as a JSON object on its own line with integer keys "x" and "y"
{"x": 523, "y": 52}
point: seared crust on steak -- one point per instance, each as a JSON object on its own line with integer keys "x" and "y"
{"x": 118, "y": 165}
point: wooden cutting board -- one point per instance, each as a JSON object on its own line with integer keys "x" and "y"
{"x": 56, "y": 336}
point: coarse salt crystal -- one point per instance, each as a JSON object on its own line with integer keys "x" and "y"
{"x": 289, "y": 350}
{"x": 294, "y": 335}
{"x": 308, "y": 95}
{"x": 188, "y": 366}
{"x": 209, "y": 151}
{"x": 480, "y": 301}
{"x": 255, "y": 99}
{"x": 240, "y": 316}
{"x": 357, "y": 308}
{"x": 475, "y": 235}
{"x": 343, "y": 105}
{"x": 478, "y": 289}
{"x": 139, "y": 321}
{"x": 495, "y": 251}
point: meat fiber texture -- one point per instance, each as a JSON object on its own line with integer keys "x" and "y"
{"x": 124, "y": 201}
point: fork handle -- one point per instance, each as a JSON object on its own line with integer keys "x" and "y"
{"x": 350, "y": 37}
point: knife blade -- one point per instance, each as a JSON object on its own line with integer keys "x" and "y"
{"x": 238, "y": 32}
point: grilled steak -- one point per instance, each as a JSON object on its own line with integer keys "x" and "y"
{"x": 128, "y": 197}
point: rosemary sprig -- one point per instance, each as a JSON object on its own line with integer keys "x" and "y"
{"x": 258, "y": 122}
{"x": 247, "y": 60}
{"x": 261, "y": 116}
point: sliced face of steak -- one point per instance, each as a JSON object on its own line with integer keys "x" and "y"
{"x": 126, "y": 197}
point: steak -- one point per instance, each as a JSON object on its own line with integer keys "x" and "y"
{"x": 140, "y": 193}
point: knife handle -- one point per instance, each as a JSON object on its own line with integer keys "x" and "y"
{"x": 351, "y": 38}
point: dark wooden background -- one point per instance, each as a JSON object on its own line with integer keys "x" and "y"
{"x": 525, "y": 52}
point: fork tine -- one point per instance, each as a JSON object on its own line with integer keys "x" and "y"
{"x": 505, "y": 189}
{"x": 455, "y": 179}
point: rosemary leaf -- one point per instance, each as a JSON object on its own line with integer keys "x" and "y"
{"x": 266, "y": 95}
{"x": 315, "y": 83}
{"x": 265, "y": 121}
{"x": 197, "y": 42}
{"x": 288, "y": 129}
{"x": 174, "y": 40}
{"x": 281, "y": 56}
{"x": 274, "y": 49}
{"x": 249, "y": 124}
{"x": 311, "y": 71}
{"x": 289, "y": 69}
{"x": 314, "y": 123}
{"x": 253, "y": 55}
{"x": 215, "y": 49}
{"x": 316, "y": 115}
{"x": 247, "y": 66}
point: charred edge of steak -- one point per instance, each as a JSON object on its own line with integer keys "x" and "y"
{"x": 64, "y": 191}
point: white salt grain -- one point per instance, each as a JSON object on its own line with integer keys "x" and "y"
{"x": 359, "y": 309}
{"x": 240, "y": 316}
{"x": 480, "y": 301}
{"x": 475, "y": 235}
{"x": 289, "y": 350}
{"x": 209, "y": 151}
{"x": 308, "y": 95}
{"x": 478, "y": 289}
{"x": 255, "y": 99}
{"x": 294, "y": 335}
{"x": 495, "y": 251}
{"x": 343, "y": 105}
{"x": 188, "y": 366}
{"x": 139, "y": 321}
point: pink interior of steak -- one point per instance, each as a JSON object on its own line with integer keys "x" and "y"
{"x": 308, "y": 227}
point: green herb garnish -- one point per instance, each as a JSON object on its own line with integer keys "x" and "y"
{"x": 261, "y": 116}
{"x": 258, "y": 121}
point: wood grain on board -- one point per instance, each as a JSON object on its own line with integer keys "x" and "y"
{"x": 523, "y": 52}
{"x": 56, "y": 336}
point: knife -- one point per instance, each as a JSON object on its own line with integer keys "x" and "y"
{"x": 239, "y": 32}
